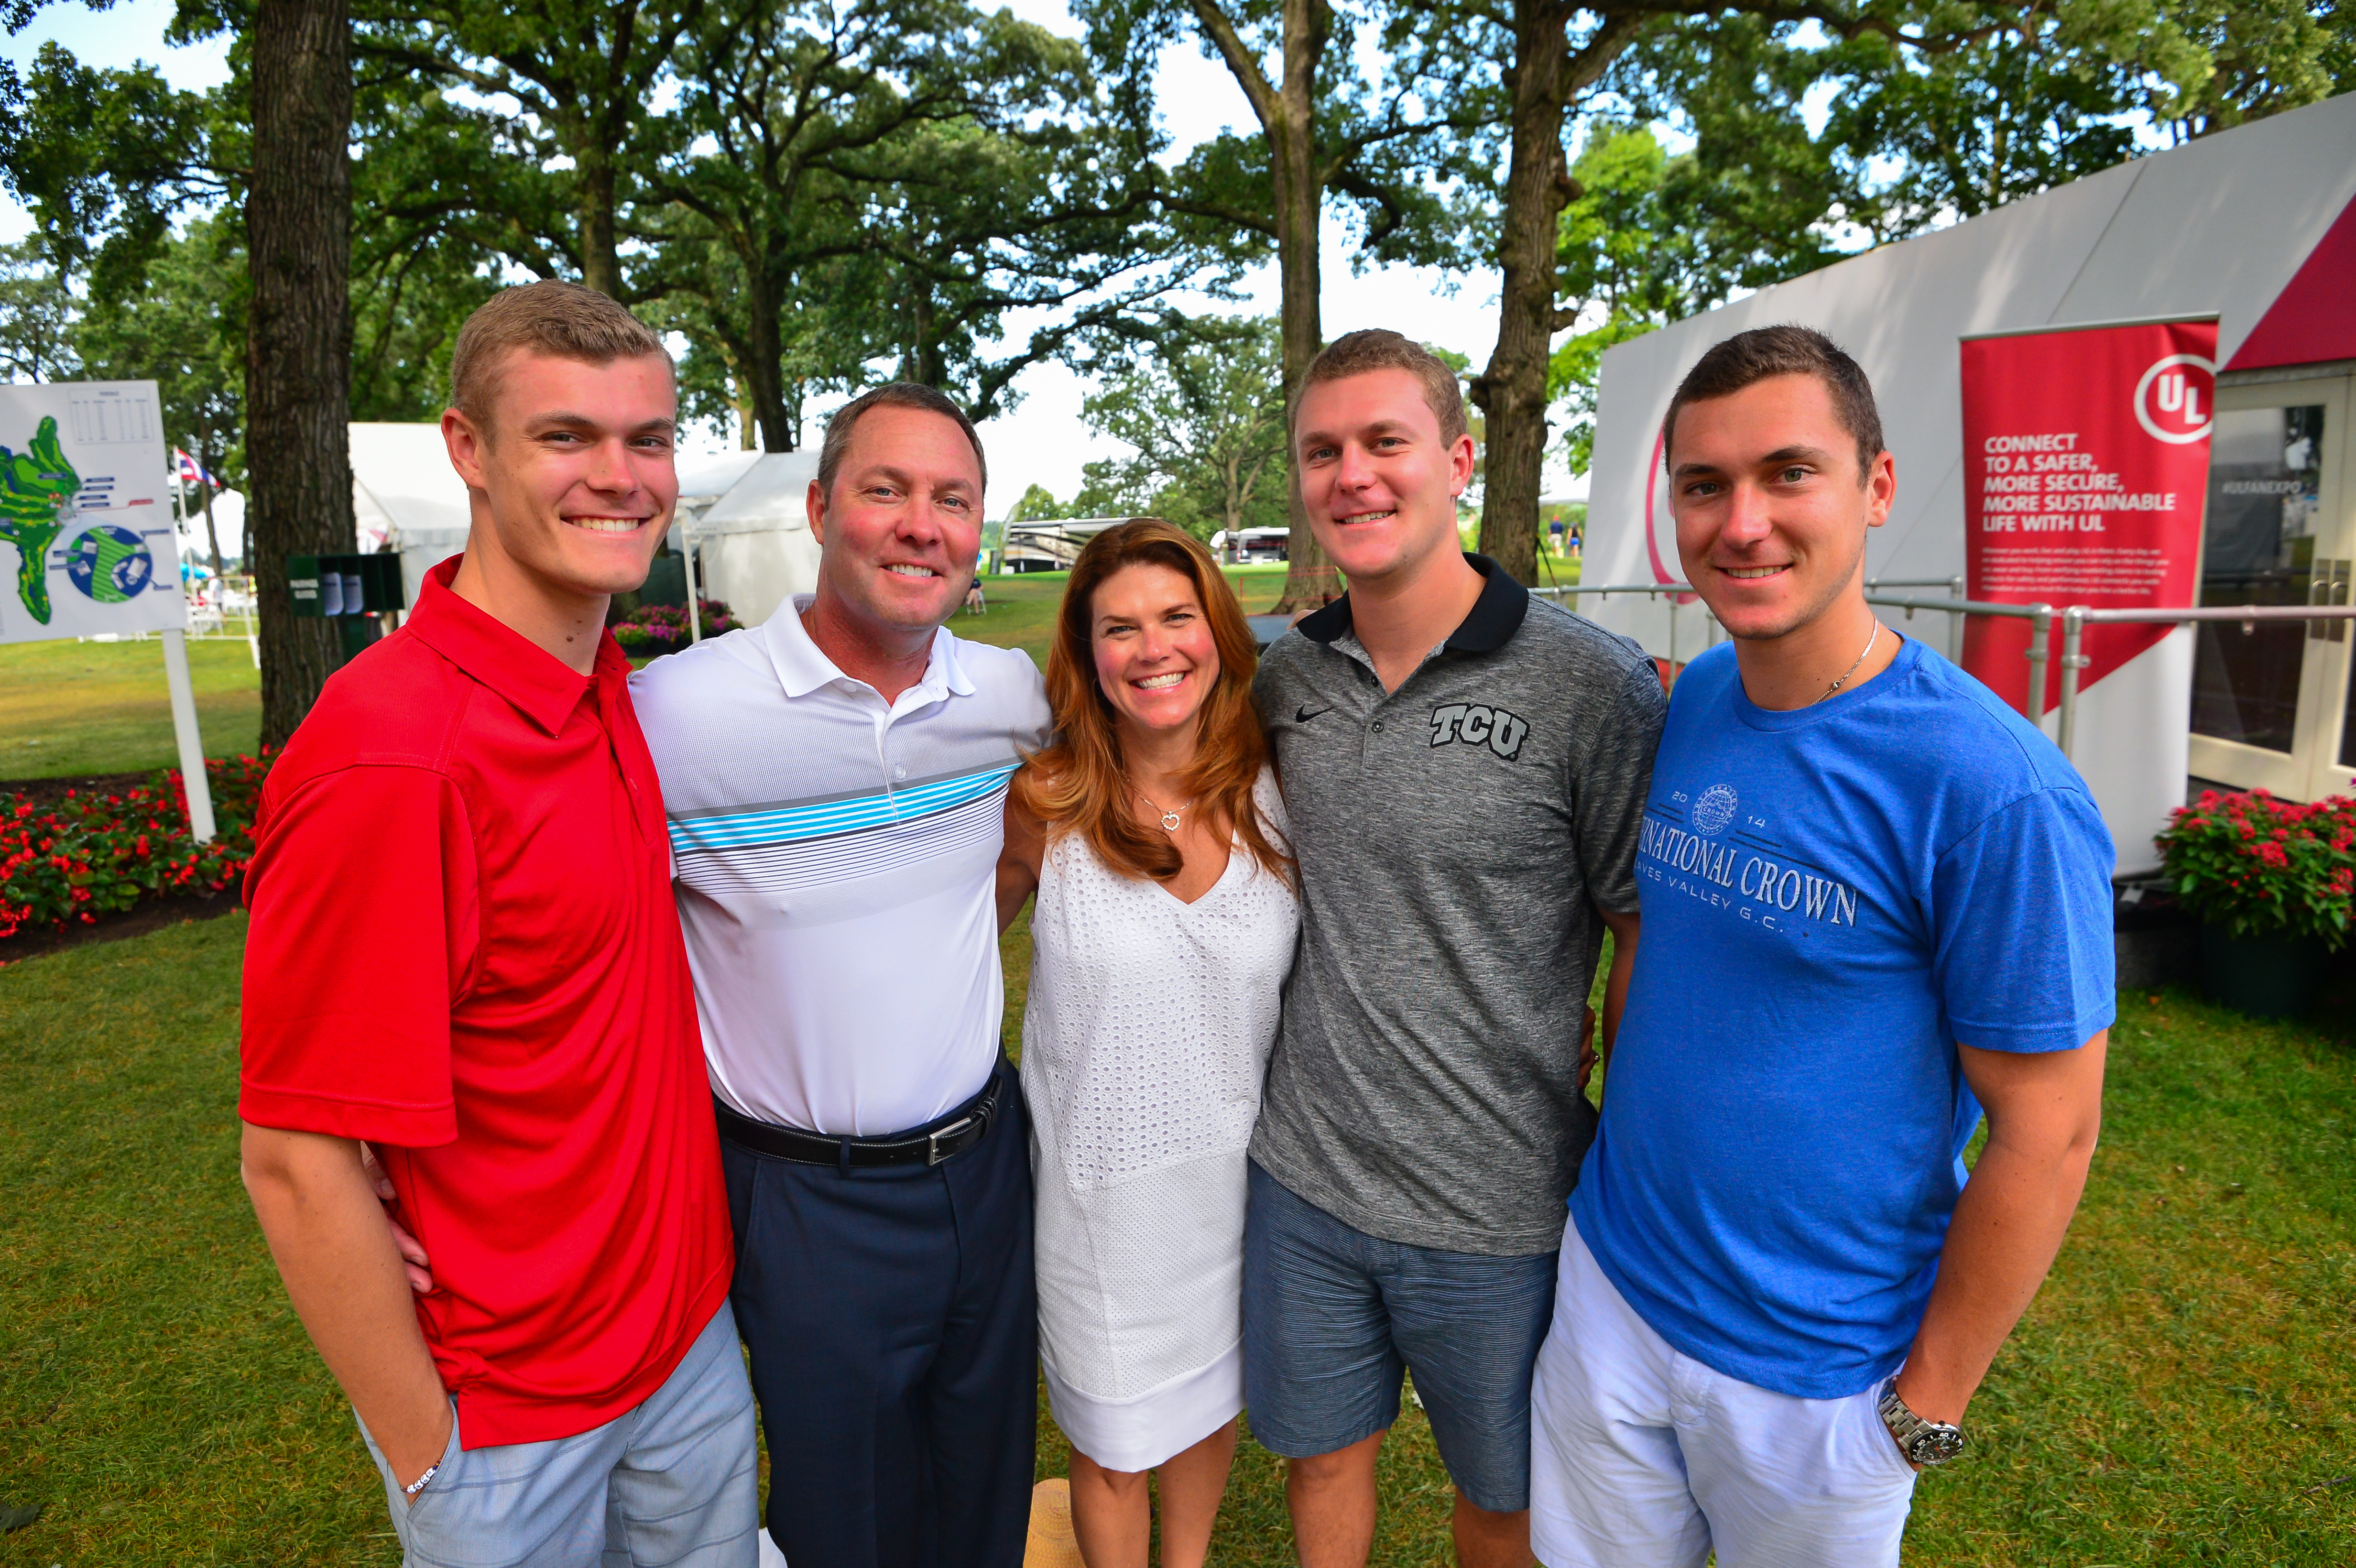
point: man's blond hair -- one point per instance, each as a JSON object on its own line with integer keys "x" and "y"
{"x": 562, "y": 321}
{"x": 1377, "y": 348}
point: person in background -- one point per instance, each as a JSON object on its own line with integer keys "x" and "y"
{"x": 463, "y": 952}
{"x": 1153, "y": 834}
{"x": 1875, "y": 902}
{"x": 835, "y": 780}
{"x": 1465, "y": 771}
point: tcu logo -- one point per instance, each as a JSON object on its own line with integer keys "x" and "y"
{"x": 1475, "y": 725}
{"x": 2173, "y": 400}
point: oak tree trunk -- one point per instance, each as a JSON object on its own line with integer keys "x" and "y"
{"x": 765, "y": 373}
{"x": 1512, "y": 392}
{"x": 601, "y": 267}
{"x": 1309, "y": 580}
{"x": 298, "y": 349}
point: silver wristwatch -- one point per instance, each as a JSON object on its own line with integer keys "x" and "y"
{"x": 1923, "y": 1442}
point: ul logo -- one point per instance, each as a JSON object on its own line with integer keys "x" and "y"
{"x": 1470, "y": 724}
{"x": 2173, "y": 400}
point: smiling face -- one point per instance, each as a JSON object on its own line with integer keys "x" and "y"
{"x": 1155, "y": 657}
{"x": 575, "y": 470}
{"x": 1772, "y": 511}
{"x": 1378, "y": 480}
{"x": 901, "y": 530}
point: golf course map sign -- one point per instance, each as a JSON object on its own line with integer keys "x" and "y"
{"x": 86, "y": 539}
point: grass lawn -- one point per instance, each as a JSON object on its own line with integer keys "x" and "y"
{"x": 2178, "y": 1394}
{"x": 70, "y": 707}
{"x": 1022, "y": 607}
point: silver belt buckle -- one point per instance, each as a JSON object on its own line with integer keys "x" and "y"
{"x": 932, "y": 1155}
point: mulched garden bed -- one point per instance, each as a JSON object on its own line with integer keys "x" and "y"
{"x": 53, "y": 792}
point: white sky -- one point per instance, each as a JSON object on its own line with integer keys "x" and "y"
{"x": 1045, "y": 440}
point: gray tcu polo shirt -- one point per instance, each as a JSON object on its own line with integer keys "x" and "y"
{"x": 1451, "y": 836}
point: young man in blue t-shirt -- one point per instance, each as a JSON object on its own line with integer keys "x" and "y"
{"x": 1875, "y": 902}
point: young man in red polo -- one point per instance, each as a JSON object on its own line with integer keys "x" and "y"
{"x": 464, "y": 953}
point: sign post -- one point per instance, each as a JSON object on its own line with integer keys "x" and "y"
{"x": 2086, "y": 468}
{"x": 184, "y": 730}
{"x": 86, "y": 546}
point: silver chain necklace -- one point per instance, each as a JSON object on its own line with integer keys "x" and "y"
{"x": 1169, "y": 817}
{"x": 1850, "y": 671}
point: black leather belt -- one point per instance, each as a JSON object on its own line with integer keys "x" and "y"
{"x": 945, "y": 1139}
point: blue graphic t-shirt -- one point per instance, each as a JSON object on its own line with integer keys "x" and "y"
{"x": 1832, "y": 897}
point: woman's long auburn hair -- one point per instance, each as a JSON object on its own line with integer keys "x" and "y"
{"x": 1078, "y": 784}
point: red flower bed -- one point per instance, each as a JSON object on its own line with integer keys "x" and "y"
{"x": 97, "y": 854}
{"x": 2264, "y": 867}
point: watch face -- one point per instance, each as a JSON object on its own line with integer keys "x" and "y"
{"x": 1936, "y": 1444}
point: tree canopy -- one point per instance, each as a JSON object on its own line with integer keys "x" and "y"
{"x": 813, "y": 196}
{"x": 1204, "y": 419}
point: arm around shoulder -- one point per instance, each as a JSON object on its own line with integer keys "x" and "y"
{"x": 1020, "y": 859}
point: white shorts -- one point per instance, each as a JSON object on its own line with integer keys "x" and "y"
{"x": 1643, "y": 1457}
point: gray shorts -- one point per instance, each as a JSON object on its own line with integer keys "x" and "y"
{"x": 671, "y": 1483}
{"x": 1334, "y": 1317}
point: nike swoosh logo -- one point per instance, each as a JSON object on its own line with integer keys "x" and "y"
{"x": 1306, "y": 714}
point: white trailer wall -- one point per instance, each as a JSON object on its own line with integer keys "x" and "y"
{"x": 2215, "y": 227}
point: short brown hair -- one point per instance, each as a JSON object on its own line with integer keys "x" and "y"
{"x": 891, "y": 395}
{"x": 1764, "y": 351}
{"x": 1377, "y": 348}
{"x": 563, "y": 321}
{"x": 1079, "y": 784}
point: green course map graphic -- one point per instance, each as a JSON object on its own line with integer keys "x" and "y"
{"x": 34, "y": 486}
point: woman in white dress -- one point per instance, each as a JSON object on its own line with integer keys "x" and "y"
{"x": 1152, "y": 832}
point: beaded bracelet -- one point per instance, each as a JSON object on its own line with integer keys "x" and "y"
{"x": 418, "y": 1485}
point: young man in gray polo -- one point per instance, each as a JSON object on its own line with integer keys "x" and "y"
{"x": 1465, "y": 770}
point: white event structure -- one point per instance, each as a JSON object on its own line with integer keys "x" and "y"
{"x": 2255, "y": 226}
{"x": 753, "y": 544}
{"x": 743, "y": 511}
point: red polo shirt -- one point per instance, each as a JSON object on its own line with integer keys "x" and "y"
{"x": 463, "y": 951}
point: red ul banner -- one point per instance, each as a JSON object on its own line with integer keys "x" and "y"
{"x": 2085, "y": 466}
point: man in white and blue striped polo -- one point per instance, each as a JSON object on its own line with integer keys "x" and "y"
{"x": 835, "y": 780}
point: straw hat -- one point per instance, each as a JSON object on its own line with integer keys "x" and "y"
{"x": 1051, "y": 1543}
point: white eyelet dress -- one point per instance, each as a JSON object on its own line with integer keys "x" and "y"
{"x": 1145, "y": 1044}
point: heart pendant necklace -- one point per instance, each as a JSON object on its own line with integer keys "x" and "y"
{"x": 1169, "y": 817}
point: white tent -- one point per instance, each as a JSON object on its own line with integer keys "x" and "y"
{"x": 743, "y": 510}
{"x": 753, "y": 544}
{"x": 703, "y": 479}
{"x": 405, "y": 493}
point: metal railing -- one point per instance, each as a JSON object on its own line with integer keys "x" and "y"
{"x": 1569, "y": 592}
{"x": 2074, "y": 619}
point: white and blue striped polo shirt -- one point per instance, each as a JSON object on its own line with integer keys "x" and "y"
{"x": 835, "y": 860}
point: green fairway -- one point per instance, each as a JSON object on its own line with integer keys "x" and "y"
{"x": 70, "y": 707}
{"x": 2178, "y": 1394}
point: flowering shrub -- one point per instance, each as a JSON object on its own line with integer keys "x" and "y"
{"x": 2263, "y": 867}
{"x": 94, "y": 854}
{"x": 654, "y": 629}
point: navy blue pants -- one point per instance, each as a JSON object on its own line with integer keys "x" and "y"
{"x": 893, "y": 1324}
